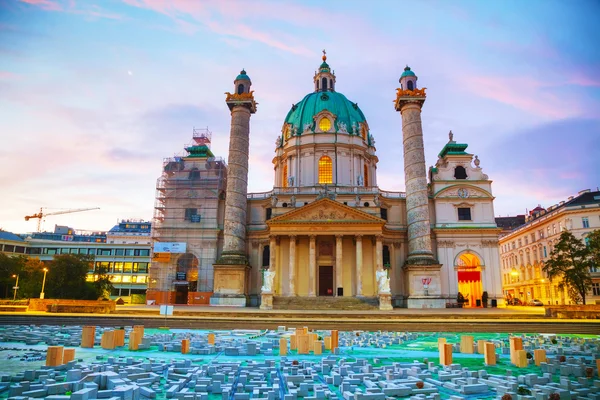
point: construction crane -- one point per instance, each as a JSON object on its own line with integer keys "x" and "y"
{"x": 41, "y": 215}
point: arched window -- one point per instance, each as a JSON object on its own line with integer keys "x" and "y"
{"x": 366, "y": 172}
{"x": 285, "y": 176}
{"x": 324, "y": 84}
{"x": 194, "y": 174}
{"x": 325, "y": 170}
{"x": 331, "y": 84}
{"x": 240, "y": 89}
{"x": 266, "y": 255}
{"x": 387, "y": 261}
{"x": 325, "y": 124}
{"x": 410, "y": 85}
{"x": 460, "y": 172}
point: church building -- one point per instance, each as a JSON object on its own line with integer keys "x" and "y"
{"x": 326, "y": 229}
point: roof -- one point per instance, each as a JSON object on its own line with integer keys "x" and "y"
{"x": 407, "y": 72}
{"x": 313, "y": 103}
{"x": 454, "y": 149}
{"x": 10, "y": 236}
{"x": 242, "y": 76}
{"x": 510, "y": 223}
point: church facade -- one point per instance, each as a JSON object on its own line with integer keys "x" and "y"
{"x": 327, "y": 229}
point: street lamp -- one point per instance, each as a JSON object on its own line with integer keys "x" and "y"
{"x": 43, "y": 283}
{"x": 16, "y": 286}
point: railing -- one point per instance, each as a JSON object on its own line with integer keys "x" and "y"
{"x": 341, "y": 190}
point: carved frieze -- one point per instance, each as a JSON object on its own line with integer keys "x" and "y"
{"x": 446, "y": 243}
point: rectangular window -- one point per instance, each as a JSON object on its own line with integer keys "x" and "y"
{"x": 91, "y": 251}
{"x": 50, "y": 251}
{"x": 20, "y": 249}
{"x": 384, "y": 214}
{"x": 129, "y": 252}
{"x": 191, "y": 214}
{"x": 520, "y": 243}
{"x": 118, "y": 267}
{"x": 142, "y": 252}
{"x": 464, "y": 214}
{"x": 269, "y": 213}
{"x": 142, "y": 267}
{"x": 103, "y": 252}
{"x": 73, "y": 251}
{"x": 554, "y": 229}
{"x": 585, "y": 221}
{"x": 128, "y": 267}
{"x": 596, "y": 289}
{"x": 545, "y": 252}
{"x": 64, "y": 250}
{"x": 119, "y": 252}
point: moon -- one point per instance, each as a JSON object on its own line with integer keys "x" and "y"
{"x": 129, "y": 73}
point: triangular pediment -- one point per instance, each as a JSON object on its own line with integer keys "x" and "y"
{"x": 326, "y": 211}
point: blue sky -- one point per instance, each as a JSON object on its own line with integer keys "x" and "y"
{"x": 94, "y": 94}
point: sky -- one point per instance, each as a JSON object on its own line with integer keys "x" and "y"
{"x": 94, "y": 94}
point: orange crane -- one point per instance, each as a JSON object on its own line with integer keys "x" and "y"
{"x": 42, "y": 215}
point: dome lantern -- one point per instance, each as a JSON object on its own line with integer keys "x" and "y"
{"x": 408, "y": 79}
{"x": 324, "y": 79}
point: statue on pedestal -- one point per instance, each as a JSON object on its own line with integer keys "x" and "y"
{"x": 383, "y": 282}
{"x": 267, "y": 286}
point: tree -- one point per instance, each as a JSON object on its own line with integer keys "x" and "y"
{"x": 9, "y": 266}
{"x": 593, "y": 244}
{"x": 30, "y": 280}
{"x": 570, "y": 260}
{"x": 102, "y": 283}
{"x": 67, "y": 277}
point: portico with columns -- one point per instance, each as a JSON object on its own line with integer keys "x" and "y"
{"x": 325, "y": 249}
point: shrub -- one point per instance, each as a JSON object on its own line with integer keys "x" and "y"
{"x": 507, "y": 397}
{"x": 554, "y": 396}
{"x": 420, "y": 385}
{"x": 523, "y": 391}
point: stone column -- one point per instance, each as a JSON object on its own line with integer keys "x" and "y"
{"x": 292, "y": 265}
{"x": 359, "y": 261}
{"x": 231, "y": 269}
{"x": 273, "y": 259}
{"x": 237, "y": 183}
{"x": 339, "y": 262}
{"x": 409, "y": 104}
{"x": 312, "y": 266}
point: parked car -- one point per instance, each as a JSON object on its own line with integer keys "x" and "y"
{"x": 535, "y": 302}
{"x": 514, "y": 302}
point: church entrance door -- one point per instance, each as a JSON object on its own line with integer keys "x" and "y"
{"x": 325, "y": 280}
{"x": 181, "y": 294}
{"x": 469, "y": 280}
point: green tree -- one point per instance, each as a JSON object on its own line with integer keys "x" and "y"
{"x": 67, "y": 277}
{"x": 593, "y": 244}
{"x": 102, "y": 283}
{"x": 30, "y": 280}
{"x": 9, "y": 266}
{"x": 570, "y": 261}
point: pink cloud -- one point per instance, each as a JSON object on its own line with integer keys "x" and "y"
{"x": 8, "y": 76}
{"x": 524, "y": 93}
{"x": 44, "y": 4}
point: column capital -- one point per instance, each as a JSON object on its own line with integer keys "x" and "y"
{"x": 379, "y": 237}
{"x": 339, "y": 237}
{"x": 312, "y": 237}
{"x": 358, "y": 237}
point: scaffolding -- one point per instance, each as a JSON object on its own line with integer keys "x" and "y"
{"x": 189, "y": 208}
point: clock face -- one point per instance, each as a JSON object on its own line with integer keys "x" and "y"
{"x": 463, "y": 193}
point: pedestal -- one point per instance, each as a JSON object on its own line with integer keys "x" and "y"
{"x": 418, "y": 296}
{"x": 266, "y": 301}
{"x": 230, "y": 284}
{"x": 385, "y": 301}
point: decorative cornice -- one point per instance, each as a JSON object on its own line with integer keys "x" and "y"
{"x": 446, "y": 243}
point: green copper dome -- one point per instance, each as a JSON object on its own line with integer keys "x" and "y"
{"x": 242, "y": 76}
{"x": 407, "y": 72}
{"x": 347, "y": 112}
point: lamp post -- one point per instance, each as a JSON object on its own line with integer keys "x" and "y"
{"x": 16, "y": 286}
{"x": 43, "y": 283}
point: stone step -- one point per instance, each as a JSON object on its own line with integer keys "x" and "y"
{"x": 325, "y": 303}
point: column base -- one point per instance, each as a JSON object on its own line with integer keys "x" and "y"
{"x": 385, "y": 301}
{"x": 266, "y": 301}
{"x": 230, "y": 285}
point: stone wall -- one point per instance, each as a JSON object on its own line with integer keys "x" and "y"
{"x": 96, "y": 306}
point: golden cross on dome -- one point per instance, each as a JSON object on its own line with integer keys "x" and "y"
{"x": 324, "y": 55}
